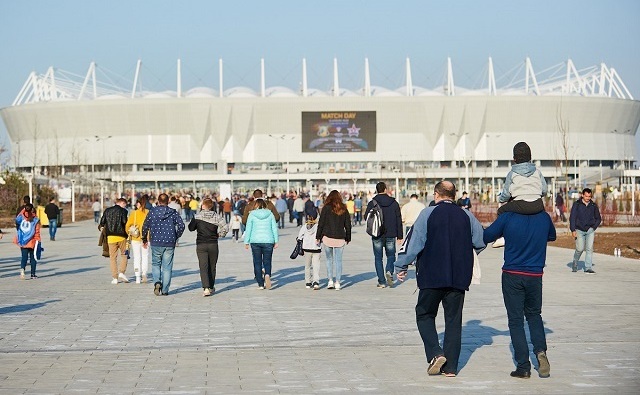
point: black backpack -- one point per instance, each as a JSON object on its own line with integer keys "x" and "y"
{"x": 375, "y": 220}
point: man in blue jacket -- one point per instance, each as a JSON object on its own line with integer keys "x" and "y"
{"x": 442, "y": 241}
{"x": 164, "y": 226}
{"x": 525, "y": 253}
{"x": 392, "y": 234}
{"x": 583, "y": 222}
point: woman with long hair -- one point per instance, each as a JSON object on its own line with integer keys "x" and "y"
{"x": 262, "y": 234}
{"x": 134, "y": 230}
{"x": 334, "y": 230}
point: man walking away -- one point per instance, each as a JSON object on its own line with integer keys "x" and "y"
{"x": 525, "y": 253}
{"x": 583, "y": 222}
{"x": 410, "y": 212}
{"x": 114, "y": 221}
{"x": 443, "y": 239}
{"x": 97, "y": 208}
{"x": 257, "y": 194}
{"x": 164, "y": 227}
{"x": 393, "y": 230}
{"x": 52, "y": 211}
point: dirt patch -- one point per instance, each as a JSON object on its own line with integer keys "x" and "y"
{"x": 605, "y": 243}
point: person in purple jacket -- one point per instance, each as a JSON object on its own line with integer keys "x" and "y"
{"x": 525, "y": 253}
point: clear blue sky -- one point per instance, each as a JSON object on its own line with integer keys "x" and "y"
{"x": 71, "y": 33}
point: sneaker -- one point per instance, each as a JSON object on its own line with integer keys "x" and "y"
{"x": 316, "y": 286}
{"x": 22, "y": 274}
{"x": 307, "y": 285}
{"x": 33, "y": 276}
{"x": 138, "y": 280}
{"x": 498, "y": 243}
{"x": 144, "y": 278}
{"x": 574, "y": 267}
{"x": 114, "y": 281}
{"x": 389, "y": 277}
{"x": 449, "y": 374}
{"x": 206, "y": 292}
{"x": 122, "y": 277}
{"x": 589, "y": 271}
{"x": 337, "y": 285}
{"x": 521, "y": 374}
{"x": 157, "y": 288}
{"x": 381, "y": 285}
{"x": 267, "y": 281}
{"x": 330, "y": 285}
{"x": 260, "y": 287}
{"x": 435, "y": 366}
{"x": 544, "y": 369}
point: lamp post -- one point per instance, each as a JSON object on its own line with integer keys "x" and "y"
{"x": 73, "y": 200}
{"x": 30, "y": 181}
{"x": 493, "y": 182}
{"x": 284, "y": 138}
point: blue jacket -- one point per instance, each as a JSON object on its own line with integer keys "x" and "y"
{"x": 164, "y": 226}
{"x": 525, "y": 237}
{"x": 442, "y": 241}
{"x": 281, "y": 205}
{"x": 584, "y": 216}
{"x": 261, "y": 227}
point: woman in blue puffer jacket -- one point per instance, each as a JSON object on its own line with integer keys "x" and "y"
{"x": 262, "y": 234}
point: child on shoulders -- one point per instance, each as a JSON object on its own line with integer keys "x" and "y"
{"x": 524, "y": 185}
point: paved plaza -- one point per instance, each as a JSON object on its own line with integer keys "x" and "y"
{"x": 71, "y": 331}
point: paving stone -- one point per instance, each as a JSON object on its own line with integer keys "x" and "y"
{"x": 72, "y": 331}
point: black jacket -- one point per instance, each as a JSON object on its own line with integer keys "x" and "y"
{"x": 210, "y": 225}
{"x": 334, "y": 226}
{"x": 114, "y": 220}
{"x": 390, "y": 215}
{"x": 52, "y": 211}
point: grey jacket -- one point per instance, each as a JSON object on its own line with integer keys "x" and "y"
{"x": 523, "y": 182}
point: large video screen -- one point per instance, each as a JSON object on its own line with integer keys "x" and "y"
{"x": 339, "y": 131}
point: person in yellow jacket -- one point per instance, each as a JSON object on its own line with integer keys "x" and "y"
{"x": 194, "y": 205}
{"x": 140, "y": 253}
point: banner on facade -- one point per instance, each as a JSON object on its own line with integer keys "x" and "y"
{"x": 339, "y": 131}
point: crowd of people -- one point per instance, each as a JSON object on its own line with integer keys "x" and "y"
{"x": 442, "y": 240}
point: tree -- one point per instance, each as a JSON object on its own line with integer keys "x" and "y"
{"x": 12, "y": 191}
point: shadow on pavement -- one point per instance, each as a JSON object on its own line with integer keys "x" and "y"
{"x": 25, "y": 307}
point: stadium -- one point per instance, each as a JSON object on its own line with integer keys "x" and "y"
{"x": 580, "y": 124}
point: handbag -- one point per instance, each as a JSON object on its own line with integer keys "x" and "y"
{"x": 133, "y": 230}
{"x": 297, "y": 250}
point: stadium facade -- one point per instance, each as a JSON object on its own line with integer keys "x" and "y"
{"x": 82, "y": 126}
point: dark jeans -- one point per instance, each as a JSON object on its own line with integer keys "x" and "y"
{"x": 235, "y": 234}
{"x": 262, "y": 253}
{"x": 281, "y": 223}
{"x": 227, "y": 216}
{"x": 389, "y": 245}
{"x": 27, "y": 253}
{"x": 300, "y": 217}
{"x": 452, "y": 300}
{"x": 522, "y": 207}
{"x": 207, "y": 260}
{"x": 523, "y": 298}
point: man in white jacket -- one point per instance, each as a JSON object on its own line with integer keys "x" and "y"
{"x": 410, "y": 212}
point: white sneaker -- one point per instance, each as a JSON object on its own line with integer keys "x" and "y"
{"x": 337, "y": 285}
{"x": 114, "y": 281}
{"x": 498, "y": 243}
{"x": 267, "y": 281}
{"x": 137, "y": 280}
{"x": 330, "y": 285}
{"x": 207, "y": 292}
{"x": 122, "y": 277}
{"x": 21, "y": 274}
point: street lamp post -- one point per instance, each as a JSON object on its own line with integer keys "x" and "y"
{"x": 73, "y": 200}
{"x": 30, "y": 181}
{"x": 493, "y": 192}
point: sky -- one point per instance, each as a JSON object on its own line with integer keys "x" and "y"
{"x": 69, "y": 34}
